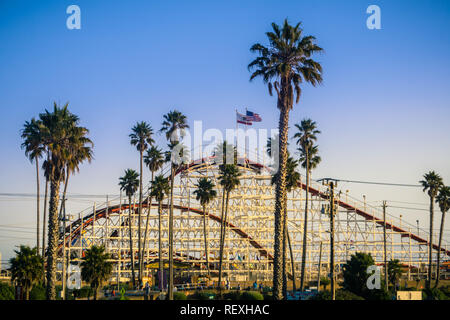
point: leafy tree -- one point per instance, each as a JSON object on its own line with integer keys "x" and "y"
{"x": 205, "y": 193}
{"x": 306, "y": 135}
{"x": 130, "y": 183}
{"x": 174, "y": 125}
{"x": 284, "y": 65}
{"x": 432, "y": 182}
{"x": 159, "y": 189}
{"x": 34, "y": 150}
{"x": 154, "y": 160}
{"x": 443, "y": 199}
{"x": 229, "y": 179}
{"x": 95, "y": 267}
{"x": 26, "y": 268}
{"x": 355, "y": 273}
{"x": 141, "y": 137}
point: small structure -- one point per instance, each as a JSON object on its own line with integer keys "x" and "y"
{"x": 409, "y": 295}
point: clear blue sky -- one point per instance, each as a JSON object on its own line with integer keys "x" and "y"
{"x": 383, "y": 108}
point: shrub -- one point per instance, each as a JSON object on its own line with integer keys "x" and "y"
{"x": 179, "y": 296}
{"x": 251, "y": 295}
{"x": 433, "y": 294}
{"x": 201, "y": 295}
{"x": 340, "y": 295}
{"x": 232, "y": 295}
{"x": 37, "y": 293}
{"x": 6, "y": 292}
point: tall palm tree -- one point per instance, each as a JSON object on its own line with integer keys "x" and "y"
{"x": 443, "y": 199}
{"x": 174, "y": 125}
{"x": 26, "y": 268}
{"x": 141, "y": 137}
{"x": 432, "y": 182}
{"x": 57, "y": 130}
{"x": 34, "y": 149}
{"x": 395, "y": 271}
{"x": 284, "y": 65}
{"x": 292, "y": 180}
{"x": 154, "y": 160}
{"x": 229, "y": 179}
{"x": 306, "y": 135}
{"x": 159, "y": 189}
{"x": 95, "y": 267}
{"x": 130, "y": 183}
{"x": 205, "y": 193}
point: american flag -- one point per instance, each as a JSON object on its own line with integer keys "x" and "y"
{"x": 240, "y": 118}
{"x": 251, "y": 116}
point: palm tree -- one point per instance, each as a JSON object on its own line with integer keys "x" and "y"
{"x": 443, "y": 199}
{"x": 130, "y": 183}
{"x": 154, "y": 160}
{"x": 432, "y": 182}
{"x": 34, "y": 149}
{"x": 225, "y": 151}
{"x": 159, "y": 189}
{"x": 58, "y": 132}
{"x": 229, "y": 179}
{"x": 395, "y": 271}
{"x": 173, "y": 125}
{"x": 284, "y": 65}
{"x": 95, "y": 267}
{"x": 26, "y": 268}
{"x": 306, "y": 135}
{"x": 141, "y": 137}
{"x": 292, "y": 180}
{"x": 205, "y": 193}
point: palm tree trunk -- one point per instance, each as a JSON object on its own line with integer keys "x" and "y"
{"x": 133, "y": 278}
{"x": 37, "y": 205}
{"x": 441, "y": 231}
{"x": 430, "y": 243}
{"x": 171, "y": 234}
{"x": 206, "y": 242}
{"x": 305, "y": 225}
{"x": 43, "y": 230}
{"x": 149, "y": 207}
{"x": 52, "y": 239}
{"x": 285, "y": 248}
{"x": 292, "y": 259}
{"x": 221, "y": 243}
{"x": 95, "y": 293}
{"x": 161, "y": 267}
{"x": 139, "y": 221}
{"x": 280, "y": 192}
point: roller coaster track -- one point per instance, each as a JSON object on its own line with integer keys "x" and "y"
{"x": 84, "y": 222}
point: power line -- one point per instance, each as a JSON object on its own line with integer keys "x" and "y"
{"x": 377, "y": 183}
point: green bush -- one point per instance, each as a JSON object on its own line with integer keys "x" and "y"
{"x": 37, "y": 293}
{"x": 251, "y": 295}
{"x": 340, "y": 295}
{"x": 445, "y": 290}
{"x": 201, "y": 295}
{"x": 232, "y": 295}
{"x": 84, "y": 292}
{"x": 434, "y": 294}
{"x": 6, "y": 292}
{"x": 179, "y": 296}
{"x": 268, "y": 296}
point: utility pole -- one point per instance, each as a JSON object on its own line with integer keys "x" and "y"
{"x": 64, "y": 271}
{"x": 333, "y": 284}
{"x": 385, "y": 248}
{"x": 320, "y": 266}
